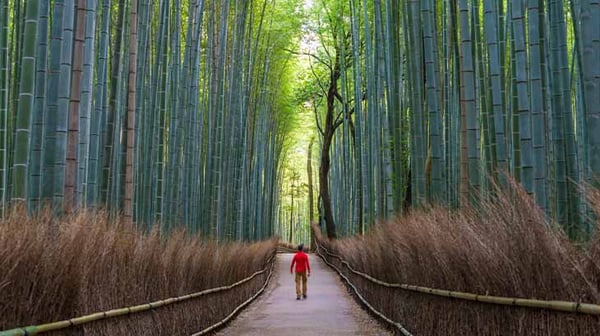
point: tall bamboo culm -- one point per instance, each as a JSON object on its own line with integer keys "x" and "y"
{"x": 111, "y": 110}
{"x": 475, "y": 90}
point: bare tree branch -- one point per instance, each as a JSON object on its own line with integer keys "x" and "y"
{"x": 320, "y": 60}
{"x": 339, "y": 120}
{"x": 339, "y": 97}
{"x": 333, "y": 28}
{"x": 316, "y": 110}
{"x": 312, "y": 69}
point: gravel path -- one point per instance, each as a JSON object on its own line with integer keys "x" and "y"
{"x": 329, "y": 310}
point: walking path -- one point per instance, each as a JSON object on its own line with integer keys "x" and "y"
{"x": 329, "y": 310}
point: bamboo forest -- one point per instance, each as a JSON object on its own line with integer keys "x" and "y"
{"x": 162, "y": 162}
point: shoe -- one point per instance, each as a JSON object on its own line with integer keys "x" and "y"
{"x": 298, "y": 298}
{"x": 304, "y": 296}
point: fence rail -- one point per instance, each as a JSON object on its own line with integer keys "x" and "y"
{"x": 37, "y": 329}
{"x": 397, "y": 325}
{"x": 238, "y": 308}
{"x": 556, "y": 305}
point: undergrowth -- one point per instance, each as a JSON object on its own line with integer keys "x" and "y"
{"x": 53, "y": 269}
{"x": 505, "y": 247}
{"x": 289, "y": 247}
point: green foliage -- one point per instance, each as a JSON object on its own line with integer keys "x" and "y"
{"x": 448, "y": 98}
{"x": 200, "y": 146}
{"x": 418, "y": 102}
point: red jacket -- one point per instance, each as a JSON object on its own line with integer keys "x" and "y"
{"x": 301, "y": 261}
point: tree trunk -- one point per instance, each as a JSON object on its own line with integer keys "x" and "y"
{"x": 291, "y": 234}
{"x": 324, "y": 186}
{"x": 311, "y": 205}
{"x": 328, "y": 132}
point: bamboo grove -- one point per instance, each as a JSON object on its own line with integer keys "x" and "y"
{"x": 429, "y": 102}
{"x": 168, "y": 111}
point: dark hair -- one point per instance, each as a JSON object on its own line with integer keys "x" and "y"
{"x": 300, "y": 247}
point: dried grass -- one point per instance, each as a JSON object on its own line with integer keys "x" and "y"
{"x": 53, "y": 269}
{"x": 504, "y": 248}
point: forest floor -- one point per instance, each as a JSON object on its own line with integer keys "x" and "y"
{"x": 328, "y": 310}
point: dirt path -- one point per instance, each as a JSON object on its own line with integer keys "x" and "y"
{"x": 329, "y": 310}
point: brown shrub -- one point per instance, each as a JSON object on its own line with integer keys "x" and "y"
{"x": 505, "y": 247}
{"x": 53, "y": 269}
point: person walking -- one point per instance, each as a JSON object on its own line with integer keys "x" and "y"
{"x": 300, "y": 259}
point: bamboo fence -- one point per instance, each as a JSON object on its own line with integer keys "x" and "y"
{"x": 38, "y": 329}
{"x": 556, "y": 305}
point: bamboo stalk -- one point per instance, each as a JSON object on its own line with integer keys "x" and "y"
{"x": 94, "y": 177}
{"x": 4, "y": 105}
{"x": 25, "y": 104}
{"x": 130, "y": 122}
{"x": 73, "y": 122}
